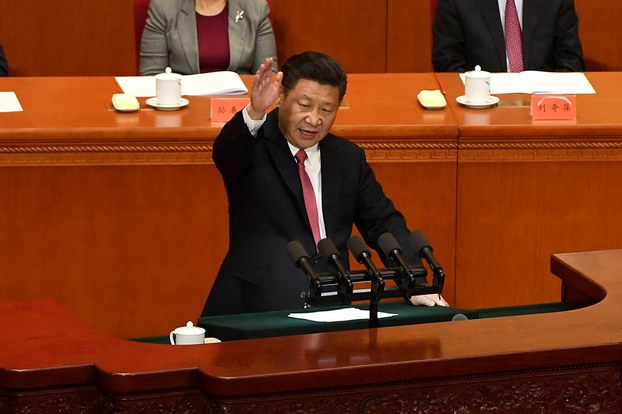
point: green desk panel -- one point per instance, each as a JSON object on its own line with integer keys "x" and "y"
{"x": 277, "y": 323}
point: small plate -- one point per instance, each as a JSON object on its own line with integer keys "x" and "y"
{"x": 493, "y": 100}
{"x": 153, "y": 102}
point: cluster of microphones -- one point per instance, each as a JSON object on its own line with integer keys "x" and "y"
{"x": 338, "y": 287}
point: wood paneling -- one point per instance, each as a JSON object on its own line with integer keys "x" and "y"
{"x": 409, "y": 36}
{"x": 352, "y": 32}
{"x": 60, "y": 38}
{"x": 601, "y": 33}
{"x": 512, "y": 221}
{"x": 131, "y": 249}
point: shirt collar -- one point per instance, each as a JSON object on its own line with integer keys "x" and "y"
{"x": 311, "y": 150}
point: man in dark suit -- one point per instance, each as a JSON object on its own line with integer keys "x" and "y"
{"x": 471, "y": 32}
{"x": 256, "y": 156}
{"x": 4, "y": 67}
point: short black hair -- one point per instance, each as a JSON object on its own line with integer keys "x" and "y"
{"x": 315, "y": 66}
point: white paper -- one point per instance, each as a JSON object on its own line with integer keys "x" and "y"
{"x": 338, "y": 315}
{"x": 139, "y": 86}
{"x": 536, "y": 82}
{"x": 9, "y": 102}
{"x": 214, "y": 83}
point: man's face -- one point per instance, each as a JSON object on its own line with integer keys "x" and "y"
{"x": 307, "y": 112}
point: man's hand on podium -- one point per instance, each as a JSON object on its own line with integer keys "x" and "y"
{"x": 432, "y": 299}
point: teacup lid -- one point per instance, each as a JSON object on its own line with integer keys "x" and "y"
{"x": 168, "y": 75}
{"x": 478, "y": 72}
{"x": 189, "y": 329}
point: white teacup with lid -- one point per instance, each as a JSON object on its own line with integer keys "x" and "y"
{"x": 187, "y": 335}
{"x": 168, "y": 88}
{"x": 477, "y": 86}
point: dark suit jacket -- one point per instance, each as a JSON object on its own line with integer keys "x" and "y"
{"x": 4, "y": 67}
{"x": 469, "y": 32}
{"x": 266, "y": 211}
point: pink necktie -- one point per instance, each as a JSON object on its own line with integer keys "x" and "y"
{"x": 309, "y": 195}
{"x": 513, "y": 37}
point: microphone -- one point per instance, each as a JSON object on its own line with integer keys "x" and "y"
{"x": 391, "y": 248}
{"x": 299, "y": 256}
{"x": 424, "y": 249}
{"x": 459, "y": 317}
{"x": 329, "y": 251}
{"x": 361, "y": 253}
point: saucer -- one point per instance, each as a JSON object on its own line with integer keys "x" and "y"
{"x": 492, "y": 100}
{"x": 153, "y": 102}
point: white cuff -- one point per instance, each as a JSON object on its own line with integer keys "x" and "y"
{"x": 252, "y": 124}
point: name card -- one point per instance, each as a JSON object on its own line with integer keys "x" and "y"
{"x": 223, "y": 109}
{"x": 554, "y": 107}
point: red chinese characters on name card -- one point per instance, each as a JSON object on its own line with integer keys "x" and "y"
{"x": 554, "y": 107}
{"x": 223, "y": 109}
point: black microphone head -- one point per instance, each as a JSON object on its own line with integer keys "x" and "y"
{"x": 358, "y": 247}
{"x": 419, "y": 241}
{"x": 388, "y": 244}
{"x": 327, "y": 248}
{"x": 296, "y": 251}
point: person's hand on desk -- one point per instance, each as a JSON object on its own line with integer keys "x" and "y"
{"x": 432, "y": 299}
{"x": 264, "y": 92}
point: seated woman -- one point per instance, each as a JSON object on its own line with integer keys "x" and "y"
{"x": 4, "y": 67}
{"x": 195, "y": 36}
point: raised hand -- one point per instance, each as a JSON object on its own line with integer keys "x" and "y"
{"x": 265, "y": 90}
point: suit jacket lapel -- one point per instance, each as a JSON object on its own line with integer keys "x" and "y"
{"x": 238, "y": 31}
{"x": 490, "y": 11}
{"x": 187, "y": 32}
{"x": 531, "y": 10}
{"x": 284, "y": 162}
{"x": 331, "y": 182}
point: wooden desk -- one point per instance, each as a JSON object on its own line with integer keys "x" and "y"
{"x": 123, "y": 216}
{"x": 557, "y": 362}
{"x": 529, "y": 189}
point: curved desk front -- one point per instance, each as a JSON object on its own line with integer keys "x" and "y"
{"x": 550, "y": 362}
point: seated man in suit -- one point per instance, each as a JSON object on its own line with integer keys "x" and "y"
{"x": 4, "y": 67}
{"x": 267, "y": 161}
{"x": 506, "y": 36}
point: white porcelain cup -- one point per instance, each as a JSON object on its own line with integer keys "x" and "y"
{"x": 168, "y": 88}
{"x": 187, "y": 335}
{"x": 477, "y": 86}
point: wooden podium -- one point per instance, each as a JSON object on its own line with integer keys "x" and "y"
{"x": 50, "y": 360}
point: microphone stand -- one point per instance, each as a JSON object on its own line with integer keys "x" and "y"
{"x": 377, "y": 286}
{"x": 361, "y": 253}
